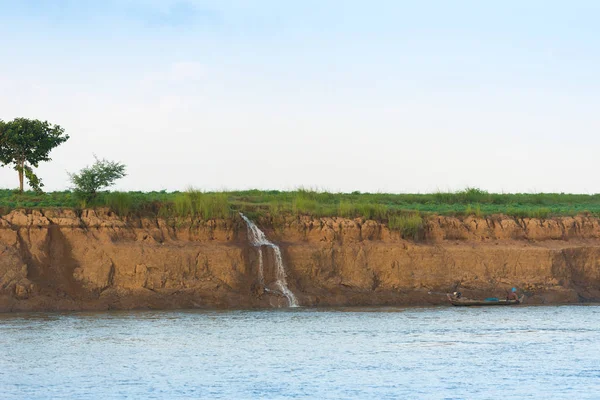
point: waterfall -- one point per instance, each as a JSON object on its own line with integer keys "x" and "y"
{"x": 258, "y": 239}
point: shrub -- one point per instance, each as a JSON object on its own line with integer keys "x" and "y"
{"x": 90, "y": 180}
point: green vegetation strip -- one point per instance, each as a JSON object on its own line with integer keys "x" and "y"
{"x": 396, "y": 209}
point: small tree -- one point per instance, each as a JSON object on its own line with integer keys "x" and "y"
{"x": 100, "y": 175}
{"x": 27, "y": 142}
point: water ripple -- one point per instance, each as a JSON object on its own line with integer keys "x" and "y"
{"x": 437, "y": 353}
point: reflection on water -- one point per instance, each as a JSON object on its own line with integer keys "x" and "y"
{"x": 375, "y": 353}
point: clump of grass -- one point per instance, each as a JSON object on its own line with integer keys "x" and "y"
{"x": 473, "y": 195}
{"x": 182, "y": 205}
{"x": 164, "y": 211}
{"x": 214, "y": 206}
{"x": 303, "y": 205}
{"x": 538, "y": 212}
{"x": 465, "y": 196}
{"x": 474, "y": 210}
{"x": 327, "y": 210}
{"x": 372, "y": 211}
{"x": 346, "y": 209}
{"x": 277, "y": 208}
{"x": 196, "y": 204}
{"x": 409, "y": 225}
{"x": 313, "y": 203}
{"x": 120, "y": 202}
{"x": 541, "y": 213}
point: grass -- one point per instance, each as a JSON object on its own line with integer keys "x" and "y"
{"x": 401, "y": 211}
{"x": 120, "y": 202}
{"x": 409, "y": 225}
{"x": 196, "y": 204}
{"x": 474, "y": 210}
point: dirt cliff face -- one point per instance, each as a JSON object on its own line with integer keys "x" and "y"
{"x": 94, "y": 260}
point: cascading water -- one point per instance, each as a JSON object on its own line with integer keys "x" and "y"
{"x": 258, "y": 239}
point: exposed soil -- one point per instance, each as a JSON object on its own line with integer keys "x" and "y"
{"x": 61, "y": 260}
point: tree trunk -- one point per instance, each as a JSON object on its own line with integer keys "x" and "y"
{"x": 21, "y": 169}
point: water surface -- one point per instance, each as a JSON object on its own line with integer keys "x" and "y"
{"x": 372, "y": 353}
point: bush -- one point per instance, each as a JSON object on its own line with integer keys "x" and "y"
{"x": 100, "y": 175}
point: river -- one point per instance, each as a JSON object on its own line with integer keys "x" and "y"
{"x": 519, "y": 352}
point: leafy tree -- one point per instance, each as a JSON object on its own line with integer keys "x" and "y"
{"x": 100, "y": 175}
{"x": 27, "y": 142}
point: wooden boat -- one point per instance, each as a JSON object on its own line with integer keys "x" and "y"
{"x": 487, "y": 302}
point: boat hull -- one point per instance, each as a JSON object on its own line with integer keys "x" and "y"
{"x": 484, "y": 303}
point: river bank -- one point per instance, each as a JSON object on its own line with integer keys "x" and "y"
{"x": 95, "y": 260}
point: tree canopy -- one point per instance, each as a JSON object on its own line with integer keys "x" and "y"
{"x": 100, "y": 175}
{"x": 27, "y": 142}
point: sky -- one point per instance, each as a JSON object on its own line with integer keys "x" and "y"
{"x": 340, "y": 95}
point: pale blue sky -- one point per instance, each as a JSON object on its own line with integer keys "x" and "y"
{"x": 394, "y": 96}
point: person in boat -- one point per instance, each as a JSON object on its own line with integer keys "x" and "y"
{"x": 512, "y": 295}
{"x": 454, "y": 296}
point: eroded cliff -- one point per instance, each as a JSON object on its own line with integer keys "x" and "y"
{"x": 63, "y": 260}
